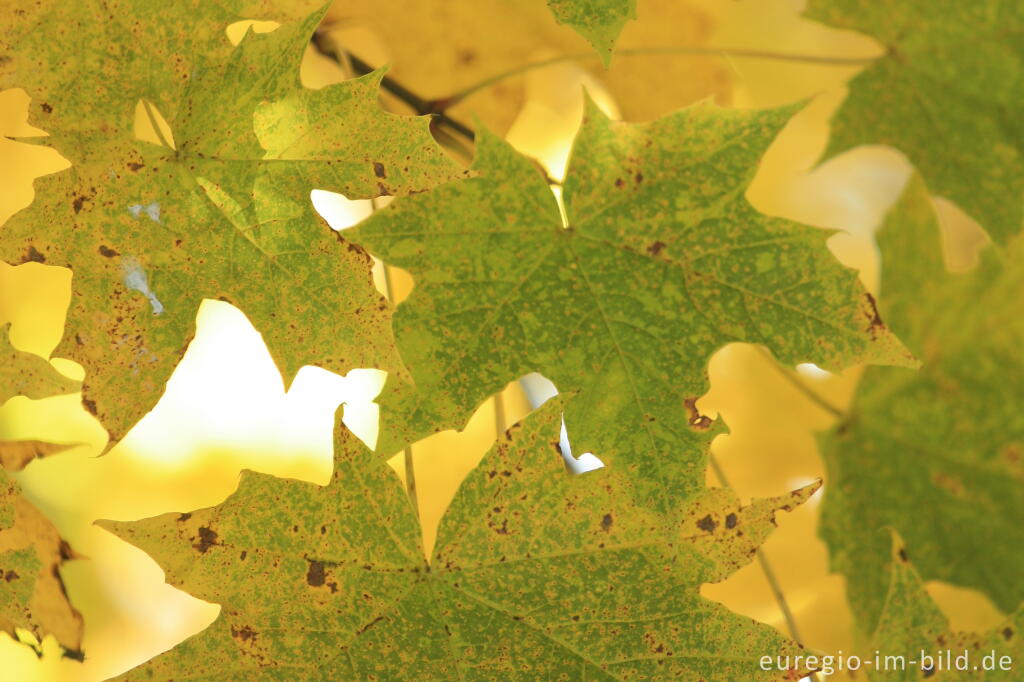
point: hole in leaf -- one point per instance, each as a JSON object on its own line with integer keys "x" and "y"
{"x": 341, "y": 213}
{"x": 151, "y": 126}
{"x": 539, "y": 389}
{"x": 812, "y": 371}
{"x": 962, "y": 237}
{"x": 236, "y": 31}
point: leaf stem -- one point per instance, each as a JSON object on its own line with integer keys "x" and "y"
{"x": 768, "y": 571}
{"x": 454, "y": 99}
{"x": 799, "y": 385}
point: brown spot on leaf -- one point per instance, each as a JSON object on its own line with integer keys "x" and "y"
{"x": 316, "y": 576}
{"x": 10, "y": 575}
{"x": 134, "y": 167}
{"x": 903, "y": 555}
{"x": 33, "y": 256}
{"x": 639, "y": 177}
{"x": 875, "y": 324}
{"x": 46, "y": 107}
{"x": 107, "y": 252}
{"x": 78, "y": 202}
{"x": 90, "y": 405}
{"x": 244, "y": 633}
{"x": 730, "y": 520}
{"x": 207, "y": 539}
{"x": 1007, "y": 634}
{"x": 606, "y": 522}
{"x": 378, "y": 169}
{"x": 369, "y": 625}
{"x": 654, "y": 248}
{"x": 184, "y": 517}
{"x": 694, "y": 418}
{"x": 707, "y": 524}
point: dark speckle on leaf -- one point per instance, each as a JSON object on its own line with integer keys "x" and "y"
{"x": 315, "y": 576}
{"x": 207, "y": 538}
{"x": 606, "y": 522}
{"x": 378, "y": 169}
{"x": 730, "y": 521}
{"x": 707, "y": 524}
{"x": 34, "y": 256}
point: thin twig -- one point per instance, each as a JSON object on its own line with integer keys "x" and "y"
{"x": 769, "y": 573}
{"x": 801, "y": 386}
{"x": 423, "y": 107}
{"x": 454, "y": 99}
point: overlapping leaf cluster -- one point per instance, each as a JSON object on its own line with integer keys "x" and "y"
{"x": 936, "y": 453}
{"x": 620, "y": 296}
{"x": 31, "y": 549}
{"x": 151, "y": 230}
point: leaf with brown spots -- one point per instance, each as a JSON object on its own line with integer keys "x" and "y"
{"x": 32, "y": 554}
{"x": 911, "y": 623}
{"x": 537, "y": 575}
{"x": 936, "y": 454}
{"x": 29, "y": 375}
{"x": 625, "y": 304}
{"x": 221, "y": 209}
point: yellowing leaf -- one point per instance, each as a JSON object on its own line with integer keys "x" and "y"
{"x": 16, "y": 454}
{"x": 947, "y": 93}
{"x": 935, "y": 454}
{"x": 537, "y": 575}
{"x": 29, "y": 375}
{"x": 599, "y": 21}
{"x": 662, "y": 262}
{"x": 221, "y": 210}
{"x": 31, "y": 555}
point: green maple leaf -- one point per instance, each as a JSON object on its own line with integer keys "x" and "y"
{"x": 662, "y": 263}
{"x": 947, "y": 93}
{"x": 537, "y": 574}
{"x": 32, "y": 553}
{"x": 935, "y": 454}
{"x": 599, "y": 21}
{"x": 29, "y": 375}
{"x": 150, "y": 230}
{"x": 912, "y": 623}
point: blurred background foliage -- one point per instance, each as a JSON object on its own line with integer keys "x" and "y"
{"x": 226, "y": 408}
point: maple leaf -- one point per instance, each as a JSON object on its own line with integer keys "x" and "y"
{"x": 331, "y": 582}
{"x": 222, "y": 209}
{"x": 663, "y": 261}
{"x": 935, "y": 454}
{"x": 947, "y": 93}
{"x": 32, "y": 553}
{"x": 599, "y": 21}
{"x": 912, "y": 623}
{"x": 27, "y": 374}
